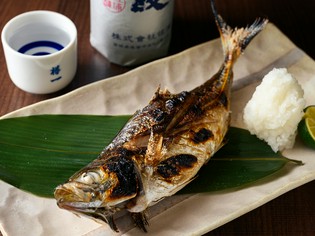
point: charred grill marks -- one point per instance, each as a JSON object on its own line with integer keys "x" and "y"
{"x": 202, "y": 135}
{"x": 126, "y": 174}
{"x": 176, "y": 101}
{"x": 159, "y": 115}
{"x": 175, "y": 164}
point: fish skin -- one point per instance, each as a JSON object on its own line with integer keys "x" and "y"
{"x": 162, "y": 147}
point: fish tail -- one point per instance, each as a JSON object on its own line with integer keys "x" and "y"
{"x": 234, "y": 41}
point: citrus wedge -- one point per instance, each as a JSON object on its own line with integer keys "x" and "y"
{"x": 306, "y": 127}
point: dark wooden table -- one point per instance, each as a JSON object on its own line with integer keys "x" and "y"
{"x": 290, "y": 214}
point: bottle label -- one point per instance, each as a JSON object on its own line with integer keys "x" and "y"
{"x": 131, "y": 32}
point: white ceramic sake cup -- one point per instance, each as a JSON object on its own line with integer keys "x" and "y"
{"x": 40, "y": 49}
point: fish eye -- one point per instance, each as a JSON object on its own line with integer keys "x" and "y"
{"x": 90, "y": 177}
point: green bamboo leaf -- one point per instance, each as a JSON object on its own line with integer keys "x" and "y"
{"x": 39, "y": 152}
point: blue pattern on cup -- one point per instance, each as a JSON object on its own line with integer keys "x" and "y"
{"x": 40, "y": 45}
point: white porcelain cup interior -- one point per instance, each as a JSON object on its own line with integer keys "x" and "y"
{"x": 41, "y": 51}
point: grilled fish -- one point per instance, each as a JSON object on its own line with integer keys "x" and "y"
{"x": 162, "y": 147}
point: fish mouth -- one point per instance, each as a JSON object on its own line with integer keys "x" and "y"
{"x": 66, "y": 196}
{"x": 69, "y": 197}
{"x": 84, "y": 207}
{"x": 93, "y": 210}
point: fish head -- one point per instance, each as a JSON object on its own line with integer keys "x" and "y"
{"x": 100, "y": 189}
